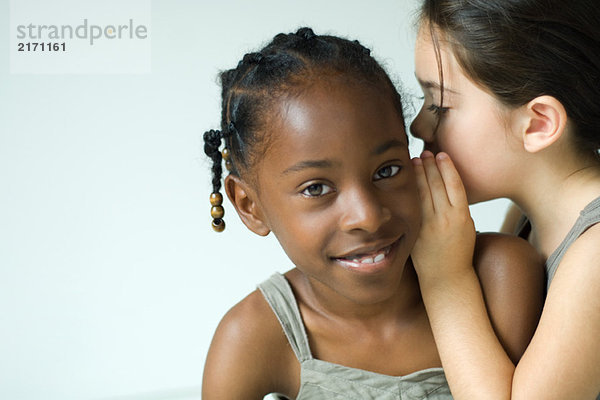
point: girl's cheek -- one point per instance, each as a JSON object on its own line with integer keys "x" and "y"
{"x": 409, "y": 202}
{"x": 444, "y": 134}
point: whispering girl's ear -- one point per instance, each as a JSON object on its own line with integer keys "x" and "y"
{"x": 545, "y": 122}
{"x": 245, "y": 201}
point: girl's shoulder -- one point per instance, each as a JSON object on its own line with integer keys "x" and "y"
{"x": 580, "y": 265}
{"x": 512, "y": 278}
{"x": 504, "y": 246}
{"x": 249, "y": 354}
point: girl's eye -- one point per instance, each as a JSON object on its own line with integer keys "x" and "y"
{"x": 437, "y": 110}
{"x": 316, "y": 190}
{"x": 386, "y": 172}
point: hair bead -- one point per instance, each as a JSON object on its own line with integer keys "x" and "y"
{"x": 217, "y": 212}
{"x": 218, "y": 225}
{"x": 225, "y": 154}
{"x": 216, "y": 199}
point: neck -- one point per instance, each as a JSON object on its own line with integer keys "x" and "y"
{"x": 406, "y": 300}
{"x": 552, "y": 194}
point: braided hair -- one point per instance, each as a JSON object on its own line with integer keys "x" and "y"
{"x": 261, "y": 79}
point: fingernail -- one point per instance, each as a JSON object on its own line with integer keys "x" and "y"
{"x": 426, "y": 154}
{"x": 416, "y": 161}
{"x": 442, "y": 156}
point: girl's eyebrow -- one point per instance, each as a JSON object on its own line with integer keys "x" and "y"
{"x": 434, "y": 85}
{"x": 388, "y": 145}
{"x": 302, "y": 165}
{"x": 307, "y": 164}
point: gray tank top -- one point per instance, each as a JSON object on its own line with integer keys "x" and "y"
{"x": 324, "y": 380}
{"x": 589, "y": 216}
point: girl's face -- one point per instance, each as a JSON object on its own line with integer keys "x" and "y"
{"x": 474, "y": 128}
{"x": 337, "y": 188}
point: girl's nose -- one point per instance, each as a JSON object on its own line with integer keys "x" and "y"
{"x": 419, "y": 128}
{"x": 363, "y": 211}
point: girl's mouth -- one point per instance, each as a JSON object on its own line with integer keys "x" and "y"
{"x": 368, "y": 262}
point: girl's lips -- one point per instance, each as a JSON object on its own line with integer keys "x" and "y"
{"x": 371, "y": 262}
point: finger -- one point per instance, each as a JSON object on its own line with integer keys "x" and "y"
{"x": 437, "y": 188}
{"x": 454, "y": 187}
{"x": 422, "y": 187}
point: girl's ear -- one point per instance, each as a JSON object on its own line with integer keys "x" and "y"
{"x": 545, "y": 123}
{"x": 244, "y": 200}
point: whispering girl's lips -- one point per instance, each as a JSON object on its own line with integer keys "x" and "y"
{"x": 368, "y": 262}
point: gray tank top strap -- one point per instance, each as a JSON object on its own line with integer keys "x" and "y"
{"x": 589, "y": 216}
{"x": 279, "y": 295}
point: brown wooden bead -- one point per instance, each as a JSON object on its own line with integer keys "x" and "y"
{"x": 225, "y": 154}
{"x": 216, "y": 199}
{"x": 217, "y": 212}
{"x": 218, "y": 225}
{"x": 228, "y": 165}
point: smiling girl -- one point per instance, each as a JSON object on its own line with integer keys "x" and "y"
{"x": 314, "y": 138}
{"x": 512, "y": 97}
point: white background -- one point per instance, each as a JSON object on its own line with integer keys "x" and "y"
{"x": 111, "y": 279}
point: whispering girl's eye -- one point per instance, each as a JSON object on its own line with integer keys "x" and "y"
{"x": 437, "y": 110}
{"x": 386, "y": 172}
{"x": 316, "y": 190}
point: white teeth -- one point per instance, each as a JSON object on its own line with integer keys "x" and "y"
{"x": 371, "y": 259}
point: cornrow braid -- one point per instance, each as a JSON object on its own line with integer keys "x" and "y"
{"x": 305, "y": 33}
{"x": 212, "y": 142}
{"x": 261, "y": 79}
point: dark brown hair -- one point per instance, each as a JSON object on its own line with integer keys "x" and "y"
{"x": 522, "y": 49}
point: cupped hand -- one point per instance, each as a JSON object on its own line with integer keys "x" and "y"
{"x": 446, "y": 240}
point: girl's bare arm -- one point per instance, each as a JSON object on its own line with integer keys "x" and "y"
{"x": 563, "y": 359}
{"x": 249, "y": 356}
